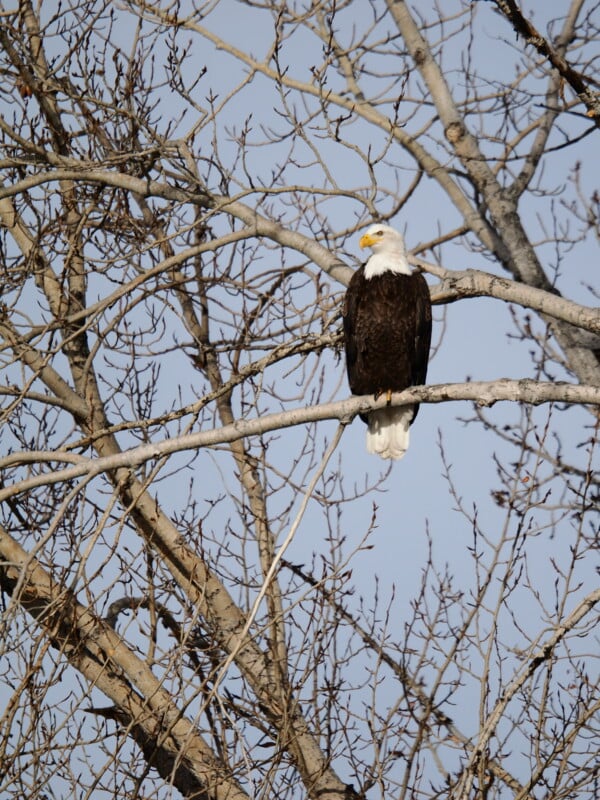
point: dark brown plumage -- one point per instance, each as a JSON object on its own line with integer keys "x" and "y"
{"x": 387, "y": 328}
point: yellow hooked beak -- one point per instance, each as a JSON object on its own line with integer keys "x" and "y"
{"x": 367, "y": 240}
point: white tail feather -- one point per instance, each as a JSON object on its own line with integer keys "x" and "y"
{"x": 388, "y": 432}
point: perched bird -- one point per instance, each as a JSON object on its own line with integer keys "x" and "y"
{"x": 387, "y": 330}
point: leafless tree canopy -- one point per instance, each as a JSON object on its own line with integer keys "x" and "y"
{"x": 195, "y": 552}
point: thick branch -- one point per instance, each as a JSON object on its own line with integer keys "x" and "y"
{"x": 170, "y": 742}
{"x": 513, "y": 249}
{"x": 474, "y": 283}
{"x": 257, "y": 224}
{"x": 484, "y": 393}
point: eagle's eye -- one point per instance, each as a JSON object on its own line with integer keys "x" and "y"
{"x": 378, "y": 233}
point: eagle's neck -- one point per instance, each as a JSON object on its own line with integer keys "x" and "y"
{"x": 390, "y": 261}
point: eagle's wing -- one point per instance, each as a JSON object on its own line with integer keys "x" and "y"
{"x": 422, "y": 331}
{"x": 349, "y": 317}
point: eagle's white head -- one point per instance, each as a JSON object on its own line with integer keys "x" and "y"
{"x": 388, "y": 249}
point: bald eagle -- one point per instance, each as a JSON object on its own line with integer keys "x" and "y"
{"x": 387, "y": 331}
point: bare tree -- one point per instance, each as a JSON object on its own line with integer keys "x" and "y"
{"x": 192, "y": 549}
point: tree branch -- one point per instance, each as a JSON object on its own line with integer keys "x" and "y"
{"x": 540, "y": 657}
{"x": 484, "y": 393}
{"x": 458, "y": 285}
{"x": 512, "y": 247}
